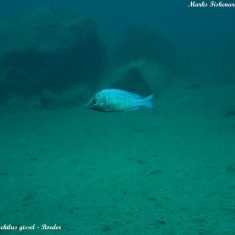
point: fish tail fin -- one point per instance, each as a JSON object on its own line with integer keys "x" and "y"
{"x": 148, "y": 101}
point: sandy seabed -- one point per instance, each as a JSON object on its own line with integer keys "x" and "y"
{"x": 170, "y": 171}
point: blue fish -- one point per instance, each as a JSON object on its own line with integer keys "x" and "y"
{"x": 113, "y": 100}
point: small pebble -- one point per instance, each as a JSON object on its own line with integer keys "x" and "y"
{"x": 107, "y": 228}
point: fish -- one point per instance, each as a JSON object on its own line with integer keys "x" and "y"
{"x": 116, "y": 100}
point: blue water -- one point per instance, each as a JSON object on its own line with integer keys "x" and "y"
{"x": 167, "y": 171}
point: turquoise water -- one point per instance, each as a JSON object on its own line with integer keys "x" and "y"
{"x": 69, "y": 170}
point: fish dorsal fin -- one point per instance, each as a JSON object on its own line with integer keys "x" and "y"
{"x": 126, "y": 92}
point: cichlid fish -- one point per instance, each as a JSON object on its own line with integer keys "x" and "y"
{"x": 113, "y": 100}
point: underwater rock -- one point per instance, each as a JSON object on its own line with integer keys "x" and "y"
{"x": 141, "y": 42}
{"x": 33, "y": 103}
{"x": 50, "y": 99}
{"x": 23, "y": 72}
{"x": 158, "y": 223}
{"x": 140, "y": 76}
{"x": 49, "y": 49}
{"x": 107, "y": 228}
{"x": 76, "y": 95}
{"x": 46, "y": 29}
